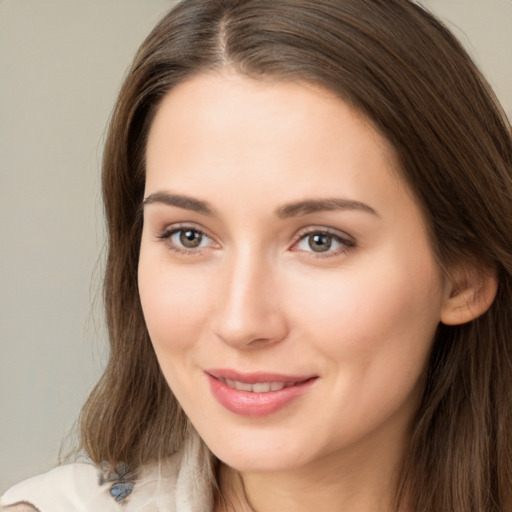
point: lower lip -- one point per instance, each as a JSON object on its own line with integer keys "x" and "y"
{"x": 248, "y": 403}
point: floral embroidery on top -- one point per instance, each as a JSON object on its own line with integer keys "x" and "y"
{"x": 120, "y": 476}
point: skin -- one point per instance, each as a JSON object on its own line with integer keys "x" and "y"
{"x": 255, "y": 296}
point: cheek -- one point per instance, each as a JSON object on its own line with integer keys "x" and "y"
{"x": 375, "y": 321}
{"x": 174, "y": 305}
{"x": 373, "y": 329}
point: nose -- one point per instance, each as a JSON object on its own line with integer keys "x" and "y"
{"x": 248, "y": 314}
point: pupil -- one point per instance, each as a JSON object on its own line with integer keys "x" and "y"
{"x": 190, "y": 238}
{"x": 320, "y": 243}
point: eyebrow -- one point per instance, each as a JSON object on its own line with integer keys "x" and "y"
{"x": 285, "y": 211}
{"x": 186, "y": 202}
{"x": 318, "y": 205}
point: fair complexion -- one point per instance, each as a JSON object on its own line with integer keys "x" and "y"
{"x": 280, "y": 242}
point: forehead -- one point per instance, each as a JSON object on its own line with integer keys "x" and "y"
{"x": 208, "y": 99}
{"x": 283, "y": 139}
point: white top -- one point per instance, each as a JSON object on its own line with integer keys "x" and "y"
{"x": 178, "y": 484}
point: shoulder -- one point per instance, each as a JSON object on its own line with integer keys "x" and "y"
{"x": 180, "y": 483}
{"x": 59, "y": 489}
{"x": 79, "y": 487}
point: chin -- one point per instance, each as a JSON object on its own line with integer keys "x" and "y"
{"x": 259, "y": 463}
{"x": 259, "y": 455}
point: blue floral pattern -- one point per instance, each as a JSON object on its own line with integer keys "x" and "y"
{"x": 121, "y": 478}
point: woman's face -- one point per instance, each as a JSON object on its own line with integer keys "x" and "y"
{"x": 285, "y": 273}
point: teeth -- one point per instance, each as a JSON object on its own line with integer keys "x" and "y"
{"x": 258, "y": 387}
{"x": 261, "y": 387}
{"x": 243, "y": 386}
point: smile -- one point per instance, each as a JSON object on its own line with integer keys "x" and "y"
{"x": 256, "y": 394}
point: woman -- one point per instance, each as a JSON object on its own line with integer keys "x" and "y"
{"x": 309, "y": 273}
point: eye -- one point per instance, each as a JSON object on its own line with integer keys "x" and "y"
{"x": 189, "y": 238}
{"x": 186, "y": 239}
{"x": 323, "y": 243}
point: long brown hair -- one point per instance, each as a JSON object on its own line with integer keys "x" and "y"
{"x": 399, "y": 66}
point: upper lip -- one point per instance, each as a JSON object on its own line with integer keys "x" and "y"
{"x": 256, "y": 377}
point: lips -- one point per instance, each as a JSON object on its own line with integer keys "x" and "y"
{"x": 256, "y": 394}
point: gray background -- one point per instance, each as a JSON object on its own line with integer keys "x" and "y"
{"x": 61, "y": 64}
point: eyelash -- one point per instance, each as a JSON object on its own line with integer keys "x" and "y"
{"x": 347, "y": 242}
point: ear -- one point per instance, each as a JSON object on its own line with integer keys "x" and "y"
{"x": 470, "y": 293}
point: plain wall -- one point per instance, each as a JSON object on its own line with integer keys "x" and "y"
{"x": 61, "y": 64}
